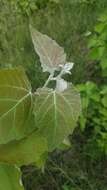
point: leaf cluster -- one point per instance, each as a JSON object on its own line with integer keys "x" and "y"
{"x": 98, "y": 43}
{"x": 35, "y": 123}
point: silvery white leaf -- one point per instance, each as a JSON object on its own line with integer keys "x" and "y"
{"x": 61, "y": 85}
{"x": 67, "y": 67}
{"x": 50, "y": 53}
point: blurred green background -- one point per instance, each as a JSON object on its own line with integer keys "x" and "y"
{"x": 80, "y": 26}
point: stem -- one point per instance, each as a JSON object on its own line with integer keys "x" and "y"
{"x": 49, "y": 79}
{"x": 60, "y": 74}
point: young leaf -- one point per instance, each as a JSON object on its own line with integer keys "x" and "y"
{"x": 10, "y": 178}
{"x": 61, "y": 85}
{"x": 66, "y": 68}
{"x": 56, "y": 114}
{"x": 25, "y": 151}
{"x": 50, "y": 53}
{"x": 15, "y": 104}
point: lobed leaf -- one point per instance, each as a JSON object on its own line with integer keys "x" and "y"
{"x": 56, "y": 114}
{"x": 50, "y": 53}
{"x": 15, "y": 105}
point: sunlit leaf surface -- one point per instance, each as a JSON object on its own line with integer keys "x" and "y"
{"x": 15, "y": 104}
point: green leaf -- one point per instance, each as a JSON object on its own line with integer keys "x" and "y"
{"x": 82, "y": 122}
{"x": 90, "y": 86}
{"x": 94, "y": 53}
{"x": 85, "y": 102}
{"x": 104, "y": 101}
{"x": 103, "y": 111}
{"x": 56, "y": 114}
{"x": 10, "y": 178}
{"x": 104, "y": 63}
{"x": 15, "y": 104}
{"x": 93, "y": 41}
{"x": 99, "y": 27}
{"x": 103, "y": 17}
{"x": 50, "y": 53}
{"x": 81, "y": 87}
{"x": 25, "y": 151}
{"x": 104, "y": 90}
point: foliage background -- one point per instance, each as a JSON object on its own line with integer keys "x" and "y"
{"x": 83, "y": 166}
